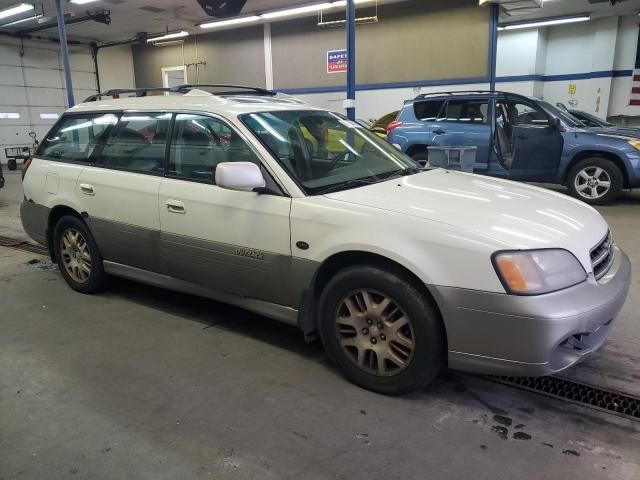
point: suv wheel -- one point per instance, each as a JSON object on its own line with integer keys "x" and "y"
{"x": 380, "y": 331}
{"x": 78, "y": 257}
{"x": 595, "y": 180}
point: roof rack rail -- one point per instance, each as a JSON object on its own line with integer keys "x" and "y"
{"x": 142, "y": 92}
{"x": 471, "y": 92}
{"x": 116, "y": 92}
{"x": 233, "y": 89}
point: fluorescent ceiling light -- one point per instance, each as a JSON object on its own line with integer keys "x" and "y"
{"x": 16, "y": 10}
{"x": 82, "y": 2}
{"x": 295, "y": 11}
{"x": 22, "y": 20}
{"x": 9, "y": 115}
{"x": 169, "y": 36}
{"x": 544, "y": 23}
{"x": 233, "y": 21}
{"x": 49, "y": 116}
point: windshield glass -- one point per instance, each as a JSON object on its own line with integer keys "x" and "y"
{"x": 565, "y": 116}
{"x": 325, "y": 152}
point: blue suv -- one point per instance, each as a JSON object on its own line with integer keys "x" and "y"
{"x": 521, "y": 138}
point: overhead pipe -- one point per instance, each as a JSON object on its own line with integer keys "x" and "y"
{"x": 100, "y": 17}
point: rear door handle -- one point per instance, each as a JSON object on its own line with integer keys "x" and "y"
{"x": 439, "y": 131}
{"x": 87, "y": 189}
{"x": 175, "y": 206}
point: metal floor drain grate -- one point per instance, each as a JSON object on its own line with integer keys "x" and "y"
{"x": 22, "y": 245}
{"x": 580, "y": 393}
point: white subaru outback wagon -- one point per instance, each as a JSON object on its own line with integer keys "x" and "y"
{"x": 301, "y": 215}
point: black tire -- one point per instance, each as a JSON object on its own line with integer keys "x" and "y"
{"x": 427, "y": 329}
{"x": 611, "y": 170}
{"x": 97, "y": 280}
{"x": 420, "y": 157}
{"x": 12, "y": 164}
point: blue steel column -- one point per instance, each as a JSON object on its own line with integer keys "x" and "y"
{"x": 62, "y": 34}
{"x": 351, "y": 56}
{"x": 493, "y": 44}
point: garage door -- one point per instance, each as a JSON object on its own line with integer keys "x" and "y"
{"x": 32, "y": 93}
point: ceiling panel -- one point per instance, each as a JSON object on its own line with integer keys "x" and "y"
{"x": 155, "y": 16}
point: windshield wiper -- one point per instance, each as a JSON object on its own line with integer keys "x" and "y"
{"x": 344, "y": 185}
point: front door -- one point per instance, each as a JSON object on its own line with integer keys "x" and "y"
{"x": 535, "y": 143}
{"x": 230, "y": 241}
{"x": 120, "y": 192}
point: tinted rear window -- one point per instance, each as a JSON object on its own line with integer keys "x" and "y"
{"x": 427, "y": 110}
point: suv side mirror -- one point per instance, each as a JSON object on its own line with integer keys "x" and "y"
{"x": 554, "y": 122}
{"x": 239, "y": 176}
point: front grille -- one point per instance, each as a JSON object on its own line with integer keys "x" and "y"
{"x": 602, "y": 257}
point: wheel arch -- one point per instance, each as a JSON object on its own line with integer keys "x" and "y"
{"x": 56, "y": 214}
{"x": 584, "y": 154}
{"x": 308, "y": 320}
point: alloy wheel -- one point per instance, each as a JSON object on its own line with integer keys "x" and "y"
{"x": 592, "y": 182}
{"x": 374, "y": 332}
{"x": 75, "y": 255}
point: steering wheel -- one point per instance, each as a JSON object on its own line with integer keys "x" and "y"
{"x": 339, "y": 157}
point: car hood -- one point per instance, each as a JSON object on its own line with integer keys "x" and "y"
{"x": 626, "y": 132}
{"x": 517, "y": 215}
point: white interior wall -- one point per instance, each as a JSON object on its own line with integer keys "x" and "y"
{"x": 115, "y": 65}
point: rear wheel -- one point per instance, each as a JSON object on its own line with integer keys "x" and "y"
{"x": 380, "y": 331}
{"x": 78, "y": 256}
{"x": 595, "y": 180}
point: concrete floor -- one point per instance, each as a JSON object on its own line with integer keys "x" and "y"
{"x": 143, "y": 383}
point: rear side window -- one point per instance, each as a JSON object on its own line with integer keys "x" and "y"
{"x": 77, "y": 138}
{"x": 138, "y": 142}
{"x": 200, "y": 143}
{"x": 428, "y": 111}
{"x": 465, "y": 111}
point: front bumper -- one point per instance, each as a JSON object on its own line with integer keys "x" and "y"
{"x": 503, "y": 334}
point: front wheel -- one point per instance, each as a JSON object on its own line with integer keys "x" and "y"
{"x": 595, "y": 180}
{"x": 78, "y": 256}
{"x": 381, "y": 331}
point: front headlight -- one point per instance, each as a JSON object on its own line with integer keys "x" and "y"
{"x": 635, "y": 144}
{"x": 533, "y": 272}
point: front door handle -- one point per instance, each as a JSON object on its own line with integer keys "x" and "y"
{"x": 87, "y": 189}
{"x": 439, "y": 131}
{"x": 175, "y": 206}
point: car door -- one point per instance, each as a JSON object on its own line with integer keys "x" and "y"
{"x": 235, "y": 242}
{"x": 465, "y": 122}
{"x": 536, "y": 142}
{"x": 121, "y": 190}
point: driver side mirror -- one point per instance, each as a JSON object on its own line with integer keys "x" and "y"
{"x": 245, "y": 176}
{"x": 554, "y": 123}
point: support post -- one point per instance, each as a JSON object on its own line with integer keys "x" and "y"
{"x": 351, "y": 59}
{"x": 493, "y": 44}
{"x": 62, "y": 33}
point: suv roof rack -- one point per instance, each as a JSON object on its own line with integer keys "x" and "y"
{"x": 143, "y": 92}
{"x": 469, "y": 92}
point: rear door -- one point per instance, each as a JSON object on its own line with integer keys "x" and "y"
{"x": 465, "y": 122}
{"x": 120, "y": 192}
{"x": 235, "y": 242}
{"x": 536, "y": 143}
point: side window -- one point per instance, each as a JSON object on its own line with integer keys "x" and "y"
{"x": 527, "y": 115}
{"x": 77, "y": 138}
{"x": 427, "y": 110}
{"x": 465, "y": 111}
{"x": 199, "y": 143}
{"x": 138, "y": 142}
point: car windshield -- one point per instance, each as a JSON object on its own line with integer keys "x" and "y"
{"x": 325, "y": 152}
{"x": 565, "y": 116}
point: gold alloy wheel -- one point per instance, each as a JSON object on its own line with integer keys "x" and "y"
{"x": 75, "y": 256}
{"x": 375, "y": 332}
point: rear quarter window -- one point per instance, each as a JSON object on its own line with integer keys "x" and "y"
{"x": 427, "y": 110}
{"x": 76, "y": 138}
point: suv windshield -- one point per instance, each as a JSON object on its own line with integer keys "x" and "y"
{"x": 325, "y": 152}
{"x": 563, "y": 115}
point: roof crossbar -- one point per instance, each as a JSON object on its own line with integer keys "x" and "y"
{"x": 142, "y": 92}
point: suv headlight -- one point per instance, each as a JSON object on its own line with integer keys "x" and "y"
{"x": 533, "y": 272}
